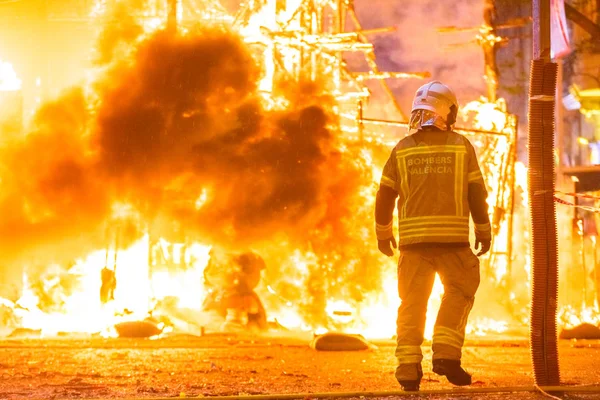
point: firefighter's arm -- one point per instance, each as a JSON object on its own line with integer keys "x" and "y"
{"x": 481, "y": 219}
{"x": 478, "y": 204}
{"x": 384, "y": 208}
{"x": 384, "y": 212}
{"x": 384, "y": 219}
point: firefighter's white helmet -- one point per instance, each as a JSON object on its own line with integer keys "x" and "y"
{"x": 437, "y": 98}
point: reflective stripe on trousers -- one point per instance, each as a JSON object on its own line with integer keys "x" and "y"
{"x": 459, "y": 272}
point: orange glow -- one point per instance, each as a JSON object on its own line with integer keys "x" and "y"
{"x": 570, "y": 316}
{"x": 311, "y": 279}
{"x": 9, "y": 81}
{"x": 82, "y": 311}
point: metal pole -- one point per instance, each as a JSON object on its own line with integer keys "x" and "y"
{"x": 579, "y": 255}
{"x": 581, "y": 233}
{"x": 574, "y": 242}
{"x": 541, "y": 29}
{"x": 576, "y": 141}
{"x": 578, "y": 217}
{"x": 560, "y": 131}
{"x": 510, "y": 217}
{"x": 542, "y": 176}
{"x": 596, "y": 266}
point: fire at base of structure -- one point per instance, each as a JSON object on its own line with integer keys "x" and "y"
{"x": 293, "y": 40}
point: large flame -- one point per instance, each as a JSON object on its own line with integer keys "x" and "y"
{"x": 172, "y": 140}
{"x": 191, "y": 140}
{"x": 9, "y": 80}
{"x": 175, "y": 128}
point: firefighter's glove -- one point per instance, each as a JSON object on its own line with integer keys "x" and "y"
{"x": 385, "y": 238}
{"x": 386, "y": 246}
{"x": 483, "y": 238}
{"x": 485, "y": 245}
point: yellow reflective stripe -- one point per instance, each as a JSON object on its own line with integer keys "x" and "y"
{"x": 410, "y": 359}
{"x": 449, "y": 218}
{"x": 436, "y": 230}
{"x": 409, "y": 354}
{"x": 434, "y": 225}
{"x": 380, "y": 227}
{"x": 413, "y": 228}
{"x": 384, "y": 235}
{"x": 403, "y": 185}
{"x": 448, "y": 331}
{"x": 447, "y": 340}
{"x": 428, "y": 226}
{"x": 458, "y": 183}
{"x": 474, "y": 176}
{"x": 406, "y": 349}
{"x": 388, "y": 182}
{"x": 431, "y": 149}
{"x": 463, "y": 321}
{"x": 384, "y": 231}
{"x": 450, "y": 337}
{"x": 443, "y": 339}
{"x": 443, "y": 224}
{"x": 464, "y": 236}
{"x": 432, "y": 233}
{"x": 483, "y": 227}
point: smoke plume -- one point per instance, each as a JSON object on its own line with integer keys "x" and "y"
{"x": 177, "y": 130}
{"x": 173, "y": 138}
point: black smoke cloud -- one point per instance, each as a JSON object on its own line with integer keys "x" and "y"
{"x": 178, "y": 119}
{"x": 174, "y": 125}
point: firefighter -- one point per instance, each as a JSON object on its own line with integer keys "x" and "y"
{"x": 435, "y": 175}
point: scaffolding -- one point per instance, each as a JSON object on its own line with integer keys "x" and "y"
{"x": 309, "y": 39}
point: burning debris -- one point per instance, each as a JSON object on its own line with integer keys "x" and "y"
{"x": 583, "y": 331}
{"x": 139, "y": 329}
{"x": 335, "y": 341}
{"x": 215, "y": 145}
{"x": 173, "y": 140}
{"x": 179, "y": 120}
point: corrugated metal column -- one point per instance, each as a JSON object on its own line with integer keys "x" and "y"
{"x": 542, "y": 181}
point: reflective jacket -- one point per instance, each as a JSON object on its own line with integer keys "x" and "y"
{"x": 437, "y": 180}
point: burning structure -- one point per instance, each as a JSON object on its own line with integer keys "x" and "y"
{"x": 205, "y": 133}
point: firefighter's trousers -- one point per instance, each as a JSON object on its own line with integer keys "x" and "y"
{"x": 458, "y": 269}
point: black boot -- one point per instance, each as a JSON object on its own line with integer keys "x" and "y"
{"x": 453, "y": 371}
{"x": 411, "y": 385}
